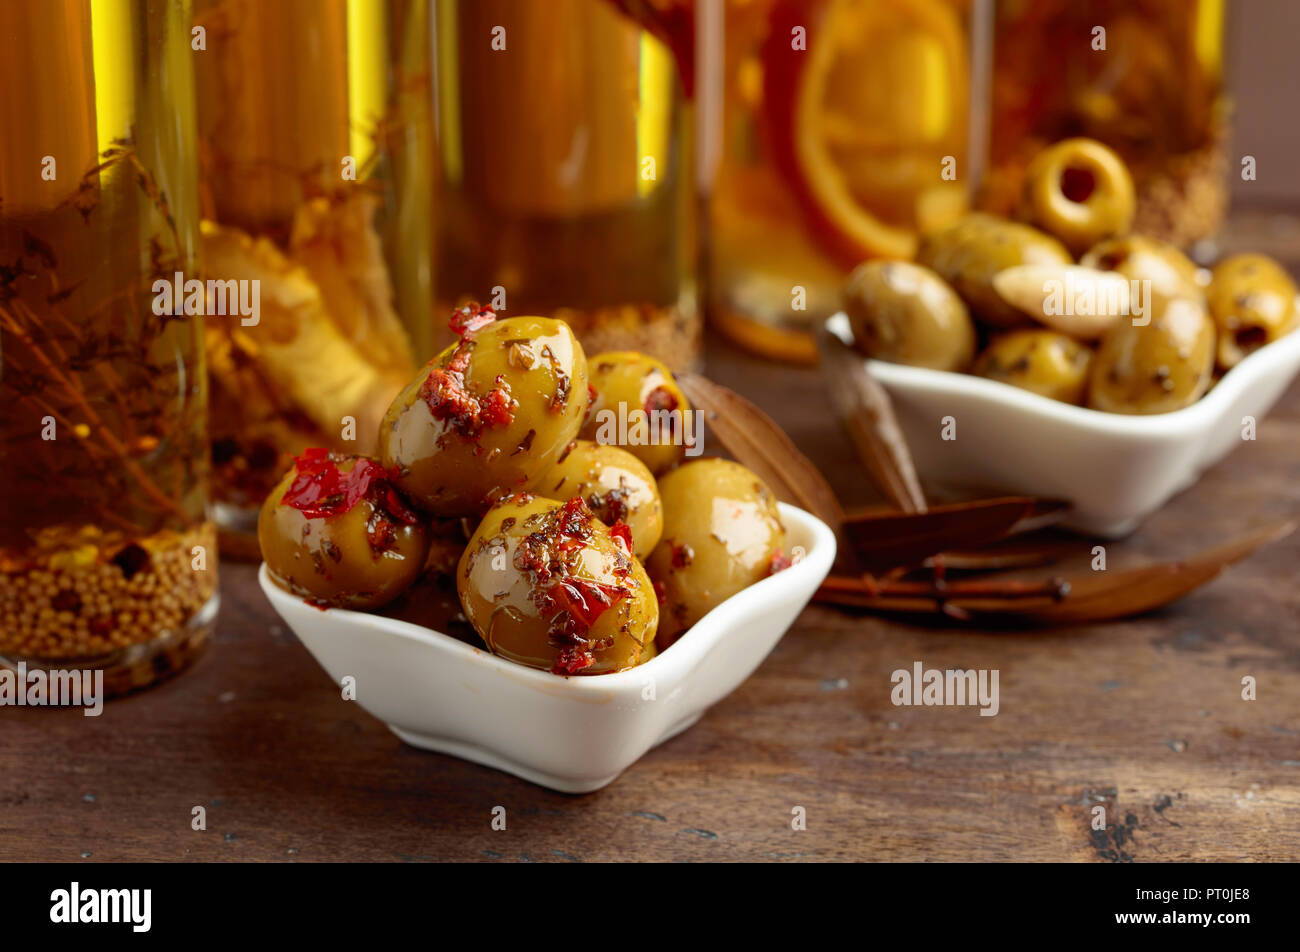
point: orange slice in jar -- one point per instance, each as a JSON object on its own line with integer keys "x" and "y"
{"x": 860, "y": 119}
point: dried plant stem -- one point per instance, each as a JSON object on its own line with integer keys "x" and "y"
{"x": 109, "y": 439}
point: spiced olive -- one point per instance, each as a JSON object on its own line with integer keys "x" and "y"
{"x": 546, "y": 584}
{"x": 487, "y": 415}
{"x": 968, "y": 253}
{"x": 335, "y": 530}
{"x": 1080, "y": 191}
{"x": 906, "y": 314}
{"x": 1162, "y": 273}
{"x": 1045, "y": 362}
{"x": 636, "y": 404}
{"x": 722, "y": 533}
{"x": 614, "y": 484}
{"x": 1155, "y": 367}
{"x": 1253, "y": 302}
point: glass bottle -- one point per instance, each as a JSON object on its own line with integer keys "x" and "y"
{"x": 843, "y": 134}
{"x": 107, "y": 559}
{"x": 1143, "y": 76}
{"x": 566, "y": 181}
{"x": 315, "y": 133}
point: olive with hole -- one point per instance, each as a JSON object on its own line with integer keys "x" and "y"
{"x": 907, "y": 314}
{"x": 546, "y": 584}
{"x": 487, "y": 415}
{"x": 614, "y": 484}
{"x": 1157, "y": 367}
{"x": 336, "y": 531}
{"x": 1170, "y": 272}
{"x": 1045, "y": 362}
{"x": 1253, "y": 303}
{"x": 722, "y": 533}
{"x": 1080, "y": 191}
{"x": 637, "y": 405}
{"x": 968, "y": 253}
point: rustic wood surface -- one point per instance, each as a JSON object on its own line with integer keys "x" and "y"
{"x": 1143, "y": 716}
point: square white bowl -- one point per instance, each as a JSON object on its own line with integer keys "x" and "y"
{"x": 572, "y": 734}
{"x": 1116, "y": 469}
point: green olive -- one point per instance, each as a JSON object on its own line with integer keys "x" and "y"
{"x": 1253, "y": 303}
{"x": 546, "y": 584}
{"x": 722, "y": 532}
{"x": 315, "y": 543}
{"x": 487, "y": 415}
{"x": 614, "y": 484}
{"x": 1080, "y": 191}
{"x": 968, "y": 253}
{"x": 1157, "y": 367}
{"x": 1170, "y": 272}
{"x": 907, "y": 314}
{"x": 1044, "y": 362}
{"x": 637, "y": 405}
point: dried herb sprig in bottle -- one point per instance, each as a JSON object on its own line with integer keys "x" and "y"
{"x": 107, "y": 559}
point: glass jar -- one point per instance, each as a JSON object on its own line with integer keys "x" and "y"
{"x": 315, "y": 131}
{"x": 566, "y": 181}
{"x": 1143, "y": 76}
{"x": 107, "y": 559}
{"x": 843, "y": 133}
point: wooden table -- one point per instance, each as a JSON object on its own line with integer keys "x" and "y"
{"x": 1144, "y": 717}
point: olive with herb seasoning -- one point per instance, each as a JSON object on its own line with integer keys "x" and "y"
{"x": 614, "y": 484}
{"x": 1156, "y": 367}
{"x": 1253, "y": 303}
{"x": 1045, "y": 362}
{"x": 971, "y": 251}
{"x": 335, "y": 530}
{"x": 636, "y": 404}
{"x": 488, "y": 414}
{"x": 546, "y": 584}
{"x": 907, "y": 314}
{"x": 722, "y": 533}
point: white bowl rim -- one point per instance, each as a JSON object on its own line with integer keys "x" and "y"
{"x": 700, "y": 639}
{"x": 1200, "y": 415}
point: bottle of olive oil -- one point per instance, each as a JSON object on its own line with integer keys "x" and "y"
{"x": 107, "y": 559}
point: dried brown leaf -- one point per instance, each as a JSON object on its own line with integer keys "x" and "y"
{"x": 867, "y": 414}
{"x": 887, "y": 539}
{"x": 1087, "y": 596}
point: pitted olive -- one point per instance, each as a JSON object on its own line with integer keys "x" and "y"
{"x": 1080, "y": 191}
{"x": 1253, "y": 303}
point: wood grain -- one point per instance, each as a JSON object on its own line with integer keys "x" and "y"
{"x": 1144, "y": 717}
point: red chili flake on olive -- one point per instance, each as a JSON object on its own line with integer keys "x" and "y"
{"x": 321, "y": 489}
{"x": 470, "y": 318}
{"x": 623, "y": 532}
{"x": 779, "y": 562}
{"x": 449, "y": 400}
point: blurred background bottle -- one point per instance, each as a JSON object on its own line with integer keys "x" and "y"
{"x": 566, "y": 158}
{"x": 843, "y": 132}
{"x": 106, "y": 557}
{"x": 1144, "y": 76}
{"x": 315, "y": 135}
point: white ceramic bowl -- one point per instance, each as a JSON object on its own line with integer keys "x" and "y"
{"x": 572, "y": 734}
{"x": 1115, "y": 468}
